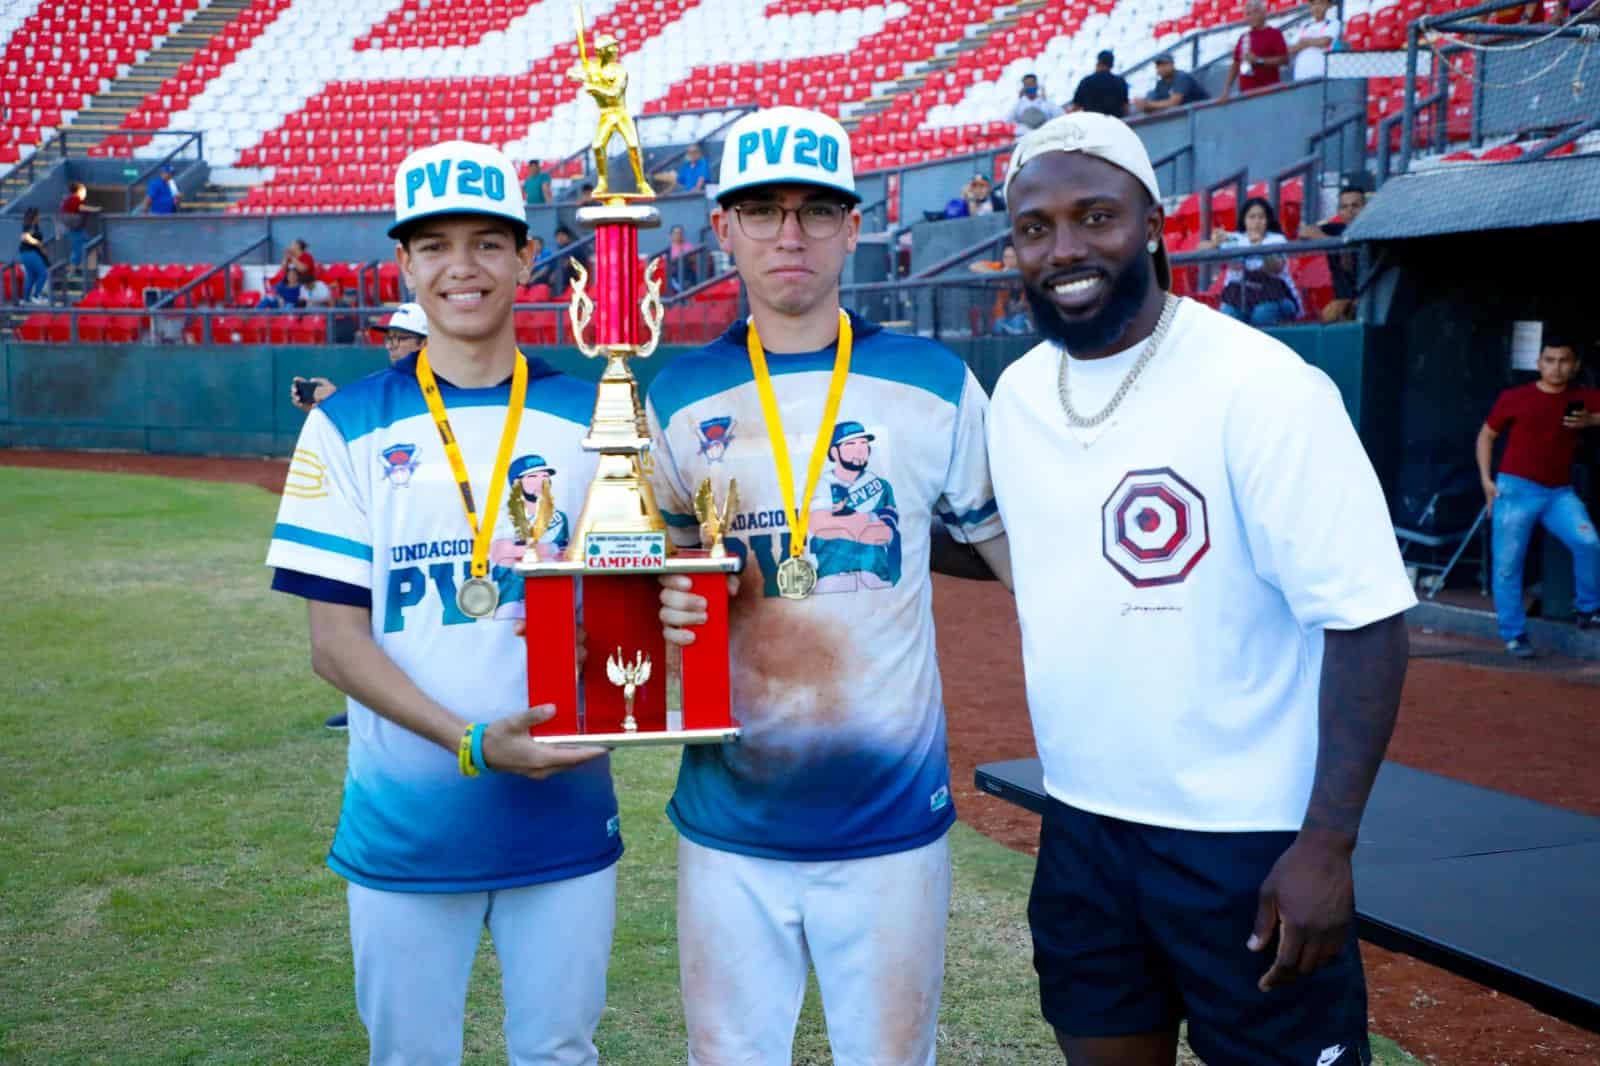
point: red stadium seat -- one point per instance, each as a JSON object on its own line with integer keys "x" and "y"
{"x": 309, "y": 329}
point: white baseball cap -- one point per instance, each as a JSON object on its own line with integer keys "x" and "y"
{"x": 409, "y": 317}
{"x": 787, "y": 146}
{"x": 457, "y": 178}
{"x": 1103, "y": 137}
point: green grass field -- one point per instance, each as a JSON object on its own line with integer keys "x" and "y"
{"x": 167, "y": 793}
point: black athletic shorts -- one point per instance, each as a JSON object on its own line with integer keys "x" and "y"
{"x": 1136, "y": 927}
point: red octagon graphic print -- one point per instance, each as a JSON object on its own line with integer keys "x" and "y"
{"x": 1153, "y": 527}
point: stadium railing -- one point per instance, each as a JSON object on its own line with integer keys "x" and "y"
{"x": 942, "y": 305}
{"x": 1422, "y": 121}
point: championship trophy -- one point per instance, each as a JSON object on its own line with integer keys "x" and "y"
{"x": 633, "y": 687}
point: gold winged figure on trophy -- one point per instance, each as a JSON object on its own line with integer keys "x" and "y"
{"x": 714, "y": 524}
{"x": 628, "y": 677}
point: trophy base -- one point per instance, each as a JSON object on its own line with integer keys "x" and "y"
{"x": 675, "y": 695}
{"x": 647, "y": 739}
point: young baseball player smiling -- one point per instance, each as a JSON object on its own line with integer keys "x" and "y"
{"x": 453, "y": 820}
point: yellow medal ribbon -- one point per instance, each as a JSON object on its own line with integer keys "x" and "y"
{"x": 502, "y": 460}
{"x": 799, "y": 518}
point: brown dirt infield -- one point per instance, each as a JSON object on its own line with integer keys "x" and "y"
{"x": 268, "y": 473}
{"x": 1529, "y": 732}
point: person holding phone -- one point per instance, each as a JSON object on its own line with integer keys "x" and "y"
{"x": 1541, "y": 421}
{"x": 404, "y": 333}
{"x": 1032, "y": 109}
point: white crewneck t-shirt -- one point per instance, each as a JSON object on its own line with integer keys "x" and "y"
{"x": 1175, "y": 568}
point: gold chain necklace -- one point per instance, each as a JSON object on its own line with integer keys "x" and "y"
{"x": 1169, "y": 311}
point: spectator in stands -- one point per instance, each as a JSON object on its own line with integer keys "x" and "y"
{"x": 75, "y": 212}
{"x": 1010, "y": 314}
{"x": 1342, "y": 266}
{"x": 680, "y": 261}
{"x": 298, "y": 255}
{"x": 286, "y": 293}
{"x": 1313, "y": 40}
{"x": 1033, "y": 109}
{"x": 1534, "y": 487}
{"x": 1511, "y": 16}
{"x": 35, "y": 258}
{"x": 691, "y": 175}
{"x": 1261, "y": 291}
{"x": 316, "y": 292}
{"x": 536, "y": 186}
{"x": 1260, "y": 54}
{"x": 1104, "y": 92}
{"x": 347, "y": 323}
{"x": 541, "y": 270}
{"x": 561, "y": 268}
{"x": 977, "y": 198}
{"x": 161, "y": 193}
{"x": 1173, "y": 88}
{"x": 405, "y": 332}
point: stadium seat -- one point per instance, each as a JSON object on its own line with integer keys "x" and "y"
{"x": 81, "y": 63}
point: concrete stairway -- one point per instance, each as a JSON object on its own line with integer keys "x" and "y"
{"x": 945, "y": 57}
{"x": 106, "y": 111}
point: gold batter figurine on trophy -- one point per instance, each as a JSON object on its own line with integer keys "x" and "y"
{"x": 604, "y": 79}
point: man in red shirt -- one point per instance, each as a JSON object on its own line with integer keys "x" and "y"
{"x": 1260, "y": 54}
{"x": 1534, "y": 485}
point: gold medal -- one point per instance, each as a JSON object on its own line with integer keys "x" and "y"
{"x": 797, "y": 576}
{"x": 478, "y": 597}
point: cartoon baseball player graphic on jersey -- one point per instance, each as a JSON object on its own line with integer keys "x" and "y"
{"x": 531, "y": 474}
{"x": 857, "y": 540}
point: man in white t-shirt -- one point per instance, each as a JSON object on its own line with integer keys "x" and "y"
{"x": 1211, "y": 602}
{"x": 1312, "y": 40}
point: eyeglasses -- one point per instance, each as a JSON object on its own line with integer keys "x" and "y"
{"x": 819, "y": 219}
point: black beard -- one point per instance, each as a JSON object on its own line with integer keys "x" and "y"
{"x": 1128, "y": 292}
{"x": 854, "y": 468}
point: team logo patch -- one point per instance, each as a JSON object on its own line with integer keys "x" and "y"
{"x": 715, "y": 436}
{"x": 399, "y": 463}
{"x": 1154, "y": 528}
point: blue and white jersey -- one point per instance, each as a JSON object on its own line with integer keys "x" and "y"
{"x": 843, "y": 752}
{"x": 371, "y": 515}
